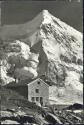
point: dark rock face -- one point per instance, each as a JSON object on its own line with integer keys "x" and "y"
{"x": 75, "y": 106}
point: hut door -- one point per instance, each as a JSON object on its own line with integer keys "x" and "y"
{"x": 41, "y": 101}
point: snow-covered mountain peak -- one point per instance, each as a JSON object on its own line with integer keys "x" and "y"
{"x": 45, "y": 12}
{"x": 46, "y": 16}
{"x": 45, "y": 45}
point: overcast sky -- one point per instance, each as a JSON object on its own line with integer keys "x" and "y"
{"x": 17, "y": 12}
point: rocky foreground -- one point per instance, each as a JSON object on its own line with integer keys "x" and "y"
{"x": 17, "y": 110}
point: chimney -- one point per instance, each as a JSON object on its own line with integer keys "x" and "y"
{"x": 16, "y": 80}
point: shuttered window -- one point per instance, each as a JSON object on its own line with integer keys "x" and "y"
{"x": 37, "y": 98}
{"x": 37, "y": 90}
{"x": 33, "y": 99}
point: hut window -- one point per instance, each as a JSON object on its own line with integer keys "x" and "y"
{"x": 33, "y": 99}
{"x": 37, "y": 90}
{"x": 38, "y": 82}
{"x": 37, "y": 98}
